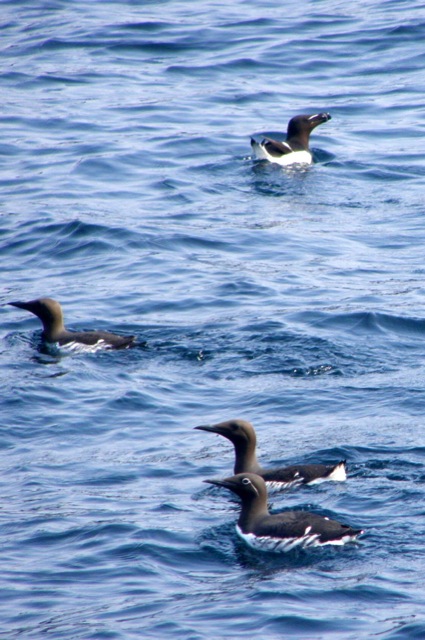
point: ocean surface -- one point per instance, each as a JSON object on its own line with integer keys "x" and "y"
{"x": 292, "y": 298}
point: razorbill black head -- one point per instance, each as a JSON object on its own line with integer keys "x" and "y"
{"x": 50, "y": 313}
{"x": 295, "y": 149}
{"x": 242, "y": 434}
{"x": 283, "y": 531}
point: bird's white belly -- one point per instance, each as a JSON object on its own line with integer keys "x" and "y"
{"x": 79, "y": 347}
{"x": 296, "y": 157}
{"x": 278, "y": 545}
{"x": 282, "y": 545}
{"x": 274, "y": 486}
{"x": 339, "y": 474}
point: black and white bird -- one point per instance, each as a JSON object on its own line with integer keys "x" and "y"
{"x": 283, "y": 531}
{"x": 50, "y": 313}
{"x": 242, "y": 434}
{"x": 295, "y": 149}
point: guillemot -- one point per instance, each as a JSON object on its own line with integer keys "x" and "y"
{"x": 295, "y": 149}
{"x": 242, "y": 434}
{"x": 283, "y": 531}
{"x": 50, "y": 313}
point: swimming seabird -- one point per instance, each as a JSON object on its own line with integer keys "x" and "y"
{"x": 283, "y": 531}
{"x": 50, "y": 313}
{"x": 242, "y": 434}
{"x": 295, "y": 149}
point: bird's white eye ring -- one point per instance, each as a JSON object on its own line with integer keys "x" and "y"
{"x": 246, "y": 481}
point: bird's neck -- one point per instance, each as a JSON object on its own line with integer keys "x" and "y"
{"x": 246, "y": 458}
{"x": 299, "y": 142}
{"x": 53, "y": 330}
{"x": 251, "y": 511}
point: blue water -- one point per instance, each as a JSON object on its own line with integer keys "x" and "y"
{"x": 293, "y": 299}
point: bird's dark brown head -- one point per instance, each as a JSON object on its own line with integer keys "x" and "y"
{"x": 247, "y": 486}
{"x": 48, "y": 310}
{"x": 301, "y": 126}
{"x": 237, "y": 431}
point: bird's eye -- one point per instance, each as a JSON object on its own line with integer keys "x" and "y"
{"x": 246, "y": 481}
